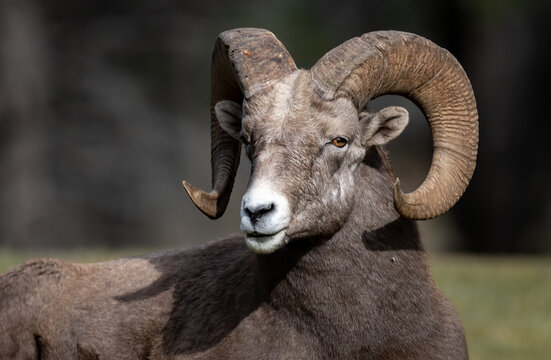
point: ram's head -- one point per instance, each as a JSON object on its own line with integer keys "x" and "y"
{"x": 305, "y": 133}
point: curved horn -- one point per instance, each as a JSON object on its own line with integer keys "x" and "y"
{"x": 244, "y": 61}
{"x": 391, "y": 62}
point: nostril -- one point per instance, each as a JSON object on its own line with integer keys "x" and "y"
{"x": 255, "y": 212}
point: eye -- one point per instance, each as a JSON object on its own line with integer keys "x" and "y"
{"x": 339, "y": 142}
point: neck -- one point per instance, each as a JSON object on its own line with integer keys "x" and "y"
{"x": 374, "y": 259}
{"x": 373, "y": 226}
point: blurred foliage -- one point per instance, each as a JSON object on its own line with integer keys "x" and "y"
{"x": 104, "y": 110}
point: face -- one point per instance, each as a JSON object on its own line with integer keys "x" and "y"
{"x": 303, "y": 154}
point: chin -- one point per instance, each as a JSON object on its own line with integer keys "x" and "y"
{"x": 266, "y": 244}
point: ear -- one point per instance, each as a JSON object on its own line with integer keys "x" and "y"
{"x": 381, "y": 127}
{"x": 229, "y": 116}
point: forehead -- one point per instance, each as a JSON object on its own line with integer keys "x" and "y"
{"x": 293, "y": 107}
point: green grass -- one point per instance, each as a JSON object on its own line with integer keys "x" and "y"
{"x": 504, "y": 302}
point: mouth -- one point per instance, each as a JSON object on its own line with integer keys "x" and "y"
{"x": 265, "y": 243}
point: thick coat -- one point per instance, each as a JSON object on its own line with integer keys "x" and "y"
{"x": 329, "y": 266}
{"x": 365, "y": 293}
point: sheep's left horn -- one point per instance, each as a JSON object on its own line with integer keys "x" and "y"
{"x": 399, "y": 63}
{"x": 244, "y": 61}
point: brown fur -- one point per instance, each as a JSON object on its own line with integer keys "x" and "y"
{"x": 364, "y": 293}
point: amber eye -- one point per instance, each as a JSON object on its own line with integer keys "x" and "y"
{"x": 339, "y": 141}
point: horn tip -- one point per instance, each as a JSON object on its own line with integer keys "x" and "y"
{"x": 206, "y": 202}
{"x": 398, "y": 193}
{"x": 406, "y": 208}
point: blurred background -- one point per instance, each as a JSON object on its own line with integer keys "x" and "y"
{"x": 104, "y": 109}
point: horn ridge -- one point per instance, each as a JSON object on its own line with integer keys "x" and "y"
{"x": 392, "y": 62}
{"x": 244, "y": 61}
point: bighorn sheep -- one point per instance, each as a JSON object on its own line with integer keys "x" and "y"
{"x": 336, "y": 271}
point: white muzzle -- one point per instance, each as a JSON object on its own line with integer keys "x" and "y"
{"x": 265, "y": 215}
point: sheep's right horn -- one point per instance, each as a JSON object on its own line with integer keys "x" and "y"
{"x": 244, "y": 61}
